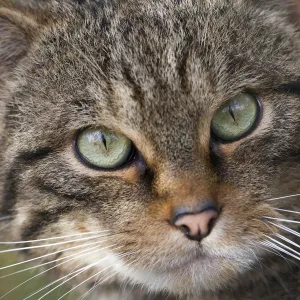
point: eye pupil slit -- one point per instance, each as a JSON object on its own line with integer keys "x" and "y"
{"x": 231, "y": 113}
{"x": 104, "y": 140}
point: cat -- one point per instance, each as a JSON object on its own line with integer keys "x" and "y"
{"x": 151, "y": 148}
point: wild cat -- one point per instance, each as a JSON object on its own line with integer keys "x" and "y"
{"x": 151, "y": 148}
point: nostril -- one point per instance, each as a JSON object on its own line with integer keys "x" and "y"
{"x": 184, "y": 229}
{"x": 211, "y": 223}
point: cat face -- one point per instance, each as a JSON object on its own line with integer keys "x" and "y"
{"x": 121, "y": 122}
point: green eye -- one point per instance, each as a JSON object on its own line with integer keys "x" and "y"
{"x": 104, "y": 149}
{"x": 236, "y": 118}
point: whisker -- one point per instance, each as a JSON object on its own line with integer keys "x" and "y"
{"x": 6, "y": 226}
{"x": 50, "y": 262}
{"x": 286, "y": 210}
{"x": 52, "y": 283}
{"x": 46, "y": 255}
{"x": 100, "y": 282}
{"x": 284, "y": 197}
{"x": 74, "y": 272}
{"x": 51, "y": 238}
{"x": 113, "y": 272}
{"x": 286, "y": 229}
{"x": 287, "y": 240}
{"x": 97, "y": 274}
{"x": 54, "y": 244}
{"x": 284, "y": 246}
{"x": 282, "y": 220}
{"x": 272, "y": 245}
{"x": 5, "y": 218}
{"x": 266, "y": 247}
{"x": 80, "y": 271}
{"x": 43, "y": 272}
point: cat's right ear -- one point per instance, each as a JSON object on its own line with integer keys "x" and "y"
{"x": 18, "y": 30}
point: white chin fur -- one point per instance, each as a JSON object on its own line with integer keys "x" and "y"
{"x": 194, "y": 278}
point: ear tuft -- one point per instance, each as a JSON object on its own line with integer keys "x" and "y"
{"x": 17, "y": 30}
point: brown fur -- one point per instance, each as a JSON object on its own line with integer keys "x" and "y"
{"x": 155, "y": 71}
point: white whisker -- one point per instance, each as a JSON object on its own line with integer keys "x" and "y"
{"x": 284, "y": 246}
{"x": 49, "y": 262}
{"x": 77, "y": 273}
{"x": 272, "y": 245}
{"x": 49, "y": 254}
{"x": 113, "y": 273}
{"x": 100, "y": 282}
{"x": 286, "y": 229}
{"x": 52, "y": 283}
{"x": 286, "y": 210}
{"x": 54, "y": 244}
{"x": 282, "y": 220}
{"x": 97, "y": 274}
{"x": 266, "y": 247}
{"x": 284, "y": 197}
{"x": 74, "y": 272}
{"x": 5, "y": 218}
{"x": 6, "y": 226}
{"x": 52, "y": 238}
{"x": 287, "y": 240}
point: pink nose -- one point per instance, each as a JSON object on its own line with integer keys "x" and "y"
{"x": 197, "y": 226}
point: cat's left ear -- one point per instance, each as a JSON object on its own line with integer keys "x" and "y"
{"x": 18, "y": 30}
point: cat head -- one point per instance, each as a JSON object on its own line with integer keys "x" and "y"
{"x": 155, "y": 133}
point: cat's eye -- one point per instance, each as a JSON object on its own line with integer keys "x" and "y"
{"x": 236, "y": 118}
{"x": 104, "y": 149}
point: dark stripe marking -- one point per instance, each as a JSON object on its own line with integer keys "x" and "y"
{"x": 12, "y": 178}
{"x": 291, "y": 88}
{"x": 41, "y": 219}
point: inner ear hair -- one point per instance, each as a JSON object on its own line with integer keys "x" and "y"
{"x": 18, "y": 29}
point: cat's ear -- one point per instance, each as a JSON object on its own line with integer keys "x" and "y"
{"x": 18, "y": 29}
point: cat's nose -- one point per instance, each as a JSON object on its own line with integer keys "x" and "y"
{"x": 196, "y": 224}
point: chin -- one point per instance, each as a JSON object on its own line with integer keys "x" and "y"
{"x": 204, "y": 275}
